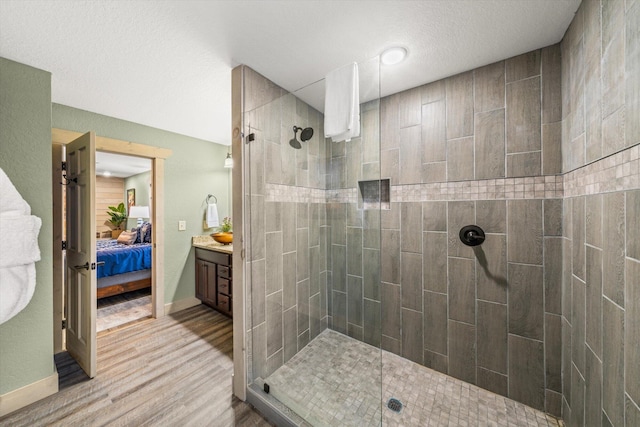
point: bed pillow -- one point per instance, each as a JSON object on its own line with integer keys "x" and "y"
{"x": 145, "y": 232}
{"x": 127, "y": 237}
{"x": 138, "y": 234}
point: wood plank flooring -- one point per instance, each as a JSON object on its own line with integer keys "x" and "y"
{"x": 173, "y": 371}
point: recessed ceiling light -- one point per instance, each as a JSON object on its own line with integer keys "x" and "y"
{"x": 393, "y": 55}
{"x": 106, "y": 173}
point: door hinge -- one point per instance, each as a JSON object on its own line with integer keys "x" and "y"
{"x": 64, "y": 324}
{"x": 64, "y": 175}
{"x": 64, "y": 245}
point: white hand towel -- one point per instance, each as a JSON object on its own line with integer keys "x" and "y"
{"x": 342, "y": 103}
{"x": 212, "y": 215}
{"x": 19, "y": 252}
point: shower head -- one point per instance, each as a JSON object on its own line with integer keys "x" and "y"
{"x": 305, "y": 135}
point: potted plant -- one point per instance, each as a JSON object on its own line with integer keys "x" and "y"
{"x": 117, "y": 215}
{"x": 225, "y": 235}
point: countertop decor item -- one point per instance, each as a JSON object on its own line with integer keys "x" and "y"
{"x": 223, "y": 237}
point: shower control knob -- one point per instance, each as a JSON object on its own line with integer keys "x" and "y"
{"x": 472, "y": 235}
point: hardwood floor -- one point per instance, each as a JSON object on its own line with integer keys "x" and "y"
{"x": 173, "y": 371}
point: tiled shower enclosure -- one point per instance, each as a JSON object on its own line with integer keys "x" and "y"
{"x": 540, "y": 150}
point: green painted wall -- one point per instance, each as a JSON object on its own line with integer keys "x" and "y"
{"x": 26, "y": 341}
{"x": 194, "y": 170}
{"x": 141, "y": 183}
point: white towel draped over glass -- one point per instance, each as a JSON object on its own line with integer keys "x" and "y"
{"x": 342, "y": 103}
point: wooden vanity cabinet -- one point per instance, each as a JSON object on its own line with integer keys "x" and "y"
{"x": 214, "y": 279}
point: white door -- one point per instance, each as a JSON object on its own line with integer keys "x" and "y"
{"x": 80, "y": 283}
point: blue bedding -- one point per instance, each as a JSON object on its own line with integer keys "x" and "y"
{"x": 119, "y": 258}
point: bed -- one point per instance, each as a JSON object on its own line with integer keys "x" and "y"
{"x": 126, "y": 267}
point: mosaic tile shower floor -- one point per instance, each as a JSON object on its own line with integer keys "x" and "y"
{"x": 335, "y": 381}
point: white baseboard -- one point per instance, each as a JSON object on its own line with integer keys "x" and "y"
{"x": 179, "y": 305}
{"x": 28, "y": 394}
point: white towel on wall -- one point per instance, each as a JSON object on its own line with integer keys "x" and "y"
{"x": 19, "y": 252}
{"x": 342, "y": 103}
{"x": 212, "y": 215}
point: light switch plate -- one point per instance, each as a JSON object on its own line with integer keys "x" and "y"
{"x": 182, "y": 225}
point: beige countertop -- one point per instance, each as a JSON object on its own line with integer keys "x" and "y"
{"x": 207, "y": 242}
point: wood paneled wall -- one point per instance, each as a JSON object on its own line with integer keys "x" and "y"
{"x": 109, "y": 192}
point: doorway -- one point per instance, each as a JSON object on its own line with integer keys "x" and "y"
{"x": 156, "y": 157}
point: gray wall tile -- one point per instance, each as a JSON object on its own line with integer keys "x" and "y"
{"x": 339, "y": 267}
{"x": 412, "y": 347}
{"x": 339, "y": 315}
{"x": 460, "y": 163}
{"x": 459, "y": 215}
{"x": 434, "y": 172}
{"x": 434, "y": 139}
{"x": 371, "y": 271}
{"x": 526, "y": 371}
{"x": 274, "y": 262}
{"x": 389, "y": 125}
{"x": 411, "y": 233}
{"x": 302, "y": 254}
{"x": 632, "y": 330}
{"x": 526, "y": 312}
{"x": 633, "y": 224}
{"x": 492, "y": 336}
{"x": 524, "y": 164}
{"x": 411, "y": 280}
{"x": 613, "y": 362}
{"x": 434, "y": 216}
{"x": 354, "y": 300}
{"x": 552, "y": 148}
{"x": 432, "y": 92}
{"x": 410, "y": 155}
{"x": 303, "y": 305}
{"x": 551, "y": 84}
{"x": 258, "y": 291}
{"x": 435, "y": 262}
{"x": 459, "y": 101}
{"x": 491, "y": 268}
{"x": 593, "y": 327}
{"x": 289, "y": 298}
{"x": 553, "y": 354}
{"x": 390, "y": 165}
{"x": 523, "y": 66}
{"x": 525, "y": 231}
{"x": 259, "y": 350}
{"x": 577, "y": 397}
{"x": 632, "y": 412}
{"x": 371, "y": 229}
{"x": 553, "y": 275}
{"x": 274, "y": 323}
{"x": 578, "y": 233}
{"x": 462, "y": 351}
{"x": 372, "y": 322}
{"x": 523, "y": 115}
{"x": 489, "y": 144}
{"x": 593, "y": 220}
{"x": 436, "y": 361}
{"x": 289, "y": 223}
{"x": 391, "y": 310}
{"x": 491, "y": 215}
{"x": 409, "y": 113}
{"x": 290, "y": 333}
{"x": 613, "y": 247}
{"x": 462, "y": 290}
{"x": 632, "y": 71}
{"x": 489, "y": 87}
{"x": 435, "y": 322}
{"x": 593, "y": 389}
{"x": 552, "y": 217}
{"x": 578, "y": 324}
{"x": 390, "y": 261}
{"x": 354, "y": 251}
{"x": 493, "y": 381}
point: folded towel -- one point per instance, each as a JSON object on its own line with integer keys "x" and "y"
{"x": 212, "y": 215}
{"x": 19, "y": 252}
{"x": 342, "y": 103}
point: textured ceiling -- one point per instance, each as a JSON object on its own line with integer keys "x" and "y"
{"x": 167, "y": 64}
